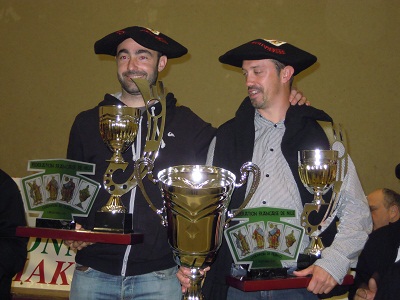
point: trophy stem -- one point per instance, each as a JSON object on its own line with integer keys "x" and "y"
{"x": 114, "y": 205}
{"x": 318, "y": 197}
{"x": 117, "y": 157}
{"x": 194, "y": 291}
{"x": 315, "y": 247}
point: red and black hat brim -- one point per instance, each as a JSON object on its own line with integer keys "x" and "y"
{"x": 269, "y": 49}
{"x": 146, "y": 37}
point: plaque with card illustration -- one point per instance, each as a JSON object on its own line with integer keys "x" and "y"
{"x": 265, "y": 246}
{"x": 57, "y": 193}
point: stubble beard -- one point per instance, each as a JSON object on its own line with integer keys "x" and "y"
{"x": 259, "y": 104}
{"x": 129, "y": 86}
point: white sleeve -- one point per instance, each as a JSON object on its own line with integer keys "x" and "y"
{"x": 355, "y": 224}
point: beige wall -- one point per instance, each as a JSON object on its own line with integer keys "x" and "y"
{"x": 49, "y": 71}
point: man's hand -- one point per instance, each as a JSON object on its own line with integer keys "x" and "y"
{"x": 76, "y": 245}
{"x": 184, "y": 274}
{"x": 367, "y": 293}
{"x": 296, "y": 97}
{"x": 321, "y": 281}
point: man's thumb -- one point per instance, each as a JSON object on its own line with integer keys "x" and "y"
{"x": 302, "y": 273}
{"x": 372, "y": 286}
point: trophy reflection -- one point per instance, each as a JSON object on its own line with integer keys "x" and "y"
{"x": 317, "y": 170}
{"x": 196, "y": 199}
{"x": 118, "y": 127}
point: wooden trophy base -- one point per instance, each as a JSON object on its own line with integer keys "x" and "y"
{"x": 81, "y": 235}
{"x": 290, "y": 282}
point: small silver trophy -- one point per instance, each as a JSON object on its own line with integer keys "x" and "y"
{"x": 321, "y": 170}
{"x": 118, "y": 127}
{"x": 318, "y": 172}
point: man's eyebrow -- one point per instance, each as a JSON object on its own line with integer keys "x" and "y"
{"x": 140, "y": 51}
{"x": 122, "y": 51}
{"x": 252, "y": 68}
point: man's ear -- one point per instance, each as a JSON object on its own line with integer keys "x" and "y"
{"x": 162, "y": 62}
{"x": 394, "y": 213}
{"x": 287, "y": 73}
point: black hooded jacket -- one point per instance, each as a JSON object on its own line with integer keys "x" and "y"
{"x": 186, "y": 137}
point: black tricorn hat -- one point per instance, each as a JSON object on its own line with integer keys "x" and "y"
{"x": 269, "y": 49}
{"x": 146, "y": 37}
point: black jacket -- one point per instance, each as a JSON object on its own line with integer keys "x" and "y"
{"x": 235, "y": 143}
{"x": 13, "y": 251}
{"x": 186, "y": 138}
{"x": 378, "y": 255}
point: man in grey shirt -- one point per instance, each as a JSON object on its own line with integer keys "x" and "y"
{"x": 269, "y": 132}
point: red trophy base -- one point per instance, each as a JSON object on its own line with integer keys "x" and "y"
{"x": 252, "y": 285}
{"x": 81, "y": 235}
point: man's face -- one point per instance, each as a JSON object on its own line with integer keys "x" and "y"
{"x": 136, "y": 61}
{"x": 262, "y": 81}
{"x": 380, "y": 214}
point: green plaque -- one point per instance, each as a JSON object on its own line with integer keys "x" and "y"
{"x": 264, "y": 238}
{"x": 59, "y": 191}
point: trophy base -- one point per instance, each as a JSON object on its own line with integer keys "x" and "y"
{"x": 291, "y": 282}
{"x": 55, "y": 223}
{"x": 305, "y": 260}
{"x": 81, "y": 235}
{"x": 267, "y": 273}
{"x": 113, "y": 222}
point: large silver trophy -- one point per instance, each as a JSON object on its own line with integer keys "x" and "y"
{"x": 196, "y": 198}
{"x": 118, "y": 128}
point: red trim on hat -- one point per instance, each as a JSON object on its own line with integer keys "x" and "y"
{"x": 268, "y": 48}
{"x": 159, "y": 38}
{"x": 120, "y": 32}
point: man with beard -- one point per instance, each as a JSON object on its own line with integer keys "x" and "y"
{"x": 146, "y": 270}
{"x": 269, "y": 132}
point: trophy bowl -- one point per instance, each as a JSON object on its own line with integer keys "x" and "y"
{"x": 196, "y": 199}
{"x": 318, "y": 171}
{"x": 118, "y": 128}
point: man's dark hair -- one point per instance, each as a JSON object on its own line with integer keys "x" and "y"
{"x": 280, "y": 66}
{"x": 391, "y": 198}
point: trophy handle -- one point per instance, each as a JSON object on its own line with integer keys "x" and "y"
{"x": 244, "y": 172}
{"x": 146, "y": 164}
{"x": 153, "y": 140}
{"x": 154, "y": 133}
{"x": 336, "y": 136}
